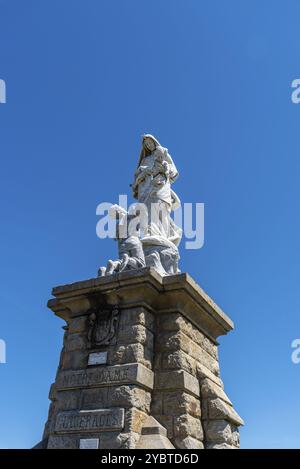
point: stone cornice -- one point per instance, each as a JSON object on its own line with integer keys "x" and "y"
{"x": 144, "y": 286}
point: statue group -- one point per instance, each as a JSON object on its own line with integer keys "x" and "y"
{"x": 147, "y": 234}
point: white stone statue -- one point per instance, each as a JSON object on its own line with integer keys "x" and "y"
{"x": 157, "y": 242}
{"x": 130, "y": 248}
{"x": 155, "y": 173}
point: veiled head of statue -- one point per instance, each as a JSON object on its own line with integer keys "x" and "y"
{"x": 149, "y": 143}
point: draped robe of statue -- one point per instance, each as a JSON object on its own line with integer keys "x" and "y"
{"x": 155, "y": 173}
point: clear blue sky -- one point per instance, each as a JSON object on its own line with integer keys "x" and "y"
{"x": 211, "y": 79}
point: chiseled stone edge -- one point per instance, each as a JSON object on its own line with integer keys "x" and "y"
{"x": 177, "y": 380}
{"x": 137, "y": 374}
{"x": 153, "y": 436}
{"x": 137, "y": 275}
{"x": 184, "y": 280}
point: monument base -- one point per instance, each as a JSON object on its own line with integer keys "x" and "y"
{"x": 139, "y": 366}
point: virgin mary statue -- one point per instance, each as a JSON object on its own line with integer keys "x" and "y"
{"x": 155, "y": 173}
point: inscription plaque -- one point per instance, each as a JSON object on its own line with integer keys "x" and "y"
{"x": 90, "y": 420}
{"x": 89, "y": 443}
{"x": 134, "y": 373}
{"x": 97, "y": 358}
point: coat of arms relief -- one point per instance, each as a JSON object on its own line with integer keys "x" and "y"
{"x": 102, "y": 327}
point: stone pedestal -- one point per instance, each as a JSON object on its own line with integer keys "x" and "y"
{"x": 139, "y": 366}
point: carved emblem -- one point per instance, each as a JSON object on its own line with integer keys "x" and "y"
{"x": 102, "y": 327}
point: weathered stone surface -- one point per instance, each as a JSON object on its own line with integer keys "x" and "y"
{"x": 52, "y": 392}
{"x": 211, "y": 390}
{"x": 219, "y": 410}
{"x": 76, "y": 341}
{"x": 235, "y": 436}
{"x": 128, "y": 440}
{"x": 77, "y": 324}
{"x": 177, "y": 380}
{"x": 180, "y": 341}
{"x": 177, "y": 322}
{"x": 157, "y": 403}
{"x": 204, "y": 372}
{"x": 153, "y": 436}
{"x": 175, "y": 403}
{"x": 218, "y": 430}
{"x": 97, "y": 398}
{"x": 157, "y": 361}
{"x": 68, "y": 400}
{"x": 167, "y": 422}
{"x": 179, "y": 360}
{"x": 117, "y": 440}
{"x": 130, "y": 396}
{"x": 188, "y": 443}
{"x": 97, "y": 420}
{"x": 50, "y": 421}
{"x": 62, "y": 442}
{"x": 105, "y": 376}
{"x": 134, "y": 420}
{"x": 186, "y": 425}
{"x": 133, "y": 316}
{"x": 136, "y": 333}
{"x": 74, "y": 361}
{"x": 219, "y": 446}
{"x": 130, "y": 354}
{"x": 204, "y": 408}
{"x": 151, "y": 426}
{"x": 204, "y": 358}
